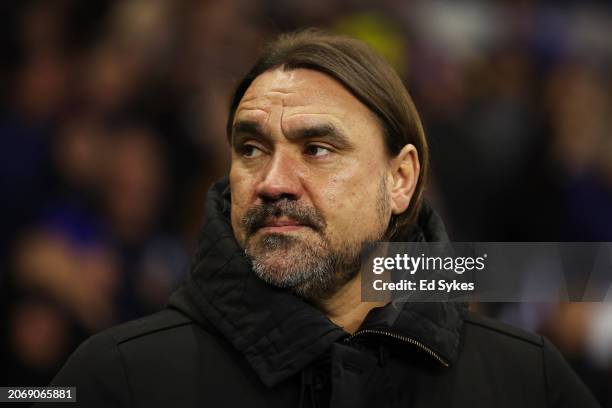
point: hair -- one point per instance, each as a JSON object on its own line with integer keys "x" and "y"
{"x": 369, "y": 78}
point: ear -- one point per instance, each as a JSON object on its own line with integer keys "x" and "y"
{"x": 404, "y": 171}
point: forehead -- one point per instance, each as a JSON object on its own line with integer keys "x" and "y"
{"x": 301, "y": 92}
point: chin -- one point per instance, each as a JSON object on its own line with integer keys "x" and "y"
{"x": 286, "y": 261}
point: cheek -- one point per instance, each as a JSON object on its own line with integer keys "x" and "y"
{"x": 349, "y": 196}
{"x": 240, "y": 201}
{"x": 242, "y": 186}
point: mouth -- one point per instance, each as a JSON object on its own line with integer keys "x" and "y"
{"x": 281, "y": 225}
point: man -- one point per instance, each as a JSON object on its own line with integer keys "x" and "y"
{"x": 328, "y": 155}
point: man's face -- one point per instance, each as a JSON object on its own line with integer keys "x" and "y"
{"x": 308, "y": 180}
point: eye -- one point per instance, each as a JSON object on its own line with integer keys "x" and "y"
{"x": 317, "y": 150}
{"x": 250, "y": 151}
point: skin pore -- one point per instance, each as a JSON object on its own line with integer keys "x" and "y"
{"x": 312, "y": 183}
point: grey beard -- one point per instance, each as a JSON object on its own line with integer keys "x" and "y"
{"x": 316, "y": 274}
{"x": 303, "y": 278}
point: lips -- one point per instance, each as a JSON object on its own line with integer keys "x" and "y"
{"x": 282, "y": 216}
{"x": 281, "y": 225}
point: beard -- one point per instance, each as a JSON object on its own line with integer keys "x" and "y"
{"x": 309, "y": 265}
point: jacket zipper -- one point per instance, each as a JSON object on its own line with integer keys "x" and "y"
{"x": 405, "y": 339}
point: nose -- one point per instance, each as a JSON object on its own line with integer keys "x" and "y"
{"x": 281, "y": 179}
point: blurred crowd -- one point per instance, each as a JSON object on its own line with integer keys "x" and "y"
{"x": 112, "y": 129}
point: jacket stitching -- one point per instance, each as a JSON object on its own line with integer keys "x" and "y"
{"x": 535, "y": 343}
{"x": 125, "y": 373}
{"x": 546, "y": 380}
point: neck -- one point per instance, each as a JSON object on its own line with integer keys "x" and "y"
{"x": 345, "y": 307}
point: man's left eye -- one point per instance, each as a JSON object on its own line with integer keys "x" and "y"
{"x": 317, "y": 150}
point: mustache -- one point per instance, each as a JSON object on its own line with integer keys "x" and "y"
{"x": 257, "y": 216}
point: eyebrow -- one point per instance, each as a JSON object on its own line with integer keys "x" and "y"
{"x": 327, "y": 131}
{"x": 244, "y": 128}
{"x": 248, "y": 127}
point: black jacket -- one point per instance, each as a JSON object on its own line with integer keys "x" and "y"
{"x": 227, "y": 339}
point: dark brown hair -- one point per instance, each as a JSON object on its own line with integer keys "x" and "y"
{"x": 369, "y": 78}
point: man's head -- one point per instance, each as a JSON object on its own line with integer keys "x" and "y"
{"x": 328, "y": 155}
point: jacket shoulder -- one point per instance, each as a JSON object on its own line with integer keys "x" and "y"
{"x": 527, "y": 360}
{"x": 491, "y": 327}
{"x": 101, "y": 369}
{"x": 157, "y": 323}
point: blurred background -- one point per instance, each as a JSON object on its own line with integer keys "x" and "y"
{"x": 112, "y": 129}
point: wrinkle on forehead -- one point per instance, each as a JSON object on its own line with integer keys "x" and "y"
{"x": 270, "y": 94}
{"x": 283, "y": 85}
{"x": 285, "y": 82}
{"x": 300, "y": 96}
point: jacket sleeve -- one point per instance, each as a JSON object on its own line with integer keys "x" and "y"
{"x": 96, "y": 370}
{"x": 564, "y": 388}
